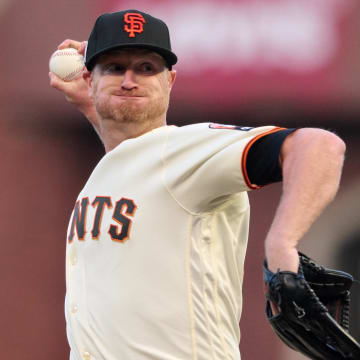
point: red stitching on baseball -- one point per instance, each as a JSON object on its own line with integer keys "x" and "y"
{"x": 74, "y": 73}
{"x": 67, "y": 53}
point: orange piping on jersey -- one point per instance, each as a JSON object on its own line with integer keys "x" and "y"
{"x": 246, "y": 151}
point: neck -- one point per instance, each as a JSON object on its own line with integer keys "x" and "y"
{"x": 112, "y": 133}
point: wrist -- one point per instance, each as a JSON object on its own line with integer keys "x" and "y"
{"x": 282, "y": 258}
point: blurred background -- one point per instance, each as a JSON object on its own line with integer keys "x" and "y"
{"x": 274, "y": 62}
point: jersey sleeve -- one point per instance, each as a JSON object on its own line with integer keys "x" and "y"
{"x": 262, "y": 160}
{"x": 204, "y": 164}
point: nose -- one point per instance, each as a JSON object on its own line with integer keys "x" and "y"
{"x": 129, "y": 80}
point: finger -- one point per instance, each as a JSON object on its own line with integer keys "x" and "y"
{"x": 56, "y": 82}
{"x": 69, "y": 43}
{"x": 82, "y": 47}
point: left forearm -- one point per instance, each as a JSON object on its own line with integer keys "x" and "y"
{"x": 312, "y": 165}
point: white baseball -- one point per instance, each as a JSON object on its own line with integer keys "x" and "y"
{"x": 67, "y": 63}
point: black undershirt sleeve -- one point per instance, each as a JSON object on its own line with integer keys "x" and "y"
{"x": 262, "y": 162}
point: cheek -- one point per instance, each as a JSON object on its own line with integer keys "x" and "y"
{"x": 97, "y": 89}
{"x": 163, "y": 86}
{"x": 93, "y": 86}
{"x": 92, "y": 91}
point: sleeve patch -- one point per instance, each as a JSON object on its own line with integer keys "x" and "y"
{"x": 229, "y": 127}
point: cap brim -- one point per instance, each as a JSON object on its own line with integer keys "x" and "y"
{"x": 170, "y": 57}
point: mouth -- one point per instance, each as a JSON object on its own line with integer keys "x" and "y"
{"x": 127, "y": 96}
{"x": 130, "y": 96}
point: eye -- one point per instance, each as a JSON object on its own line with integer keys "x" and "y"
{"x": 114, "y": 68}
{"x": 146, "y": 68}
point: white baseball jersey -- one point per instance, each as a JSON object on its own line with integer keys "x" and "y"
{"x": 156, "y": 246}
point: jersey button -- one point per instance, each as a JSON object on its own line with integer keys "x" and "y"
{"x": 86, "y": 355}
{"x": 74, "y": 308}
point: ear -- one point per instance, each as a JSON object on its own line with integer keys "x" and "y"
{"x": 171, "y": 78}
{"x": 87, "y": 76}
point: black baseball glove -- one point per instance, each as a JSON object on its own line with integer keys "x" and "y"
{"x": 310, "y": 310}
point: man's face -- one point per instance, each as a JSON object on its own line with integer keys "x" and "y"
{"x": 131, "y": 85}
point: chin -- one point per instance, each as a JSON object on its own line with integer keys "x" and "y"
{"x": 129, "y": 110}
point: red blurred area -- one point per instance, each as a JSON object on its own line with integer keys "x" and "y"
{"x": 236, "y": 52}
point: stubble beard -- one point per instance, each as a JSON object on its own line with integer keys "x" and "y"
{"x": 129, "y": 111}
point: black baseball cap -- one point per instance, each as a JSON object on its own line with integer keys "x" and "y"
{"x": 127, "y": 29}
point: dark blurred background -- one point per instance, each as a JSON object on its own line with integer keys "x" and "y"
{"x": 251, "y": 63}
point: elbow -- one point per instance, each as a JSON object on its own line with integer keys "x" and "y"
{"x": 335, "y": 142}
{"x": 334, "y": 146}
{"x": 341, "y": 146}
{"x": 325, "y": 144}
{"x": 328, "y": 153}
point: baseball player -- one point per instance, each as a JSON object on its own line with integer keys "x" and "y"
{"x": 157, "y": 238}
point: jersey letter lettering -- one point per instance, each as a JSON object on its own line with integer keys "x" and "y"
{"x": 123, "y": 207}
{"x": 78, "y": 220}
{"x": 99, "y": 203}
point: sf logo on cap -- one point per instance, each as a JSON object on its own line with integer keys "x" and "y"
{"x": 135, "y": 23}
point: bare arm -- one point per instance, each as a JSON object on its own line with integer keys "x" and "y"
{"x": 76, "y": 91}
{"x": 312, "y": 162}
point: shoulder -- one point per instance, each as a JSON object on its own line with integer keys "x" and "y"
{"x": 214, "y": 130}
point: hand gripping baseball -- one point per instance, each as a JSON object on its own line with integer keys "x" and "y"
{"x": 309, "y": 310}
{"x": 76, "y": 91}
